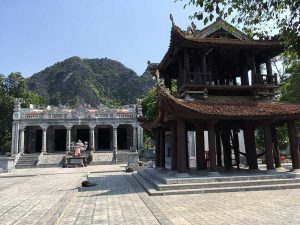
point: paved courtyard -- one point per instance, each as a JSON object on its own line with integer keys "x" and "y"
{"x": 50, "y": 196}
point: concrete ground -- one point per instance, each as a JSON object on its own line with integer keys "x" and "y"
{"x": 51, "y": 196}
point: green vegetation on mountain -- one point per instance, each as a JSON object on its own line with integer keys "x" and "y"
{"x": 90, "y": 81}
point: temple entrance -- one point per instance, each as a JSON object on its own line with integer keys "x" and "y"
{"x": 38, "y": 140}
{"x": 103, "y": 138}
{"x": 60, "y": 140}
{"x": 83, "y": 135}
{"x": 122, "y": 138}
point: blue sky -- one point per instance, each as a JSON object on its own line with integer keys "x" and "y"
{"x": 35, "y": 34}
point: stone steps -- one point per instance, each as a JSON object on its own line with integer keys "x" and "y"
{"x": 155, "y": 186}
{"x": 27, "y": 161}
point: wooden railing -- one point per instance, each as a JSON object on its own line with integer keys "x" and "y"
{"x": 263, "y": 79}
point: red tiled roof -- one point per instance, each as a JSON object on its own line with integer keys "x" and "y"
{"x": 227, "y": 109}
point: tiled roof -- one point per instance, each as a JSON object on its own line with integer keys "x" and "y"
{"x": 227, "y": 108}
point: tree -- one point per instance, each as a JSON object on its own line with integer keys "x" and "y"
{"x": 257, "y": 17}
{"x": 11, "y": 87}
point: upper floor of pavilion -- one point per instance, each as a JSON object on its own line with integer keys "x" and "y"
{"x": 219, "y": 60}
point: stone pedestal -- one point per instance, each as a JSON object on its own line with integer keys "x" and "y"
{"x": 7, "y": 164}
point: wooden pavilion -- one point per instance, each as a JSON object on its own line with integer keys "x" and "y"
{"x": 221, "y": 89}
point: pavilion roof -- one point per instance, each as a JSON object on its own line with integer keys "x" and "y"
{"x": 225, "y": 108}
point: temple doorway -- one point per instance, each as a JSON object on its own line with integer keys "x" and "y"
{"x": 60, "y": 140}
{"x": 38, "y": 140}
{"x": 103, "y": 138}
{"x": 83, "y": 135}
{"x": 122, "y": 138}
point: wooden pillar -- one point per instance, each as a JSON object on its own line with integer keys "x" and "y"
{"x": 236, "y": 147}
{"x": 181, "y": 146}
{"x": 186, "y": 64}
{"x": 250, "y": 147}
{"x": 293, "y": 144}
{"x": 276, "y": 152}
{"x": 219, "y": 149}
{"x": 253, "y": 70}
{"x": 226, "y": 148}
{"x": 203, "y": 63}
{"x": 268, "y": 146}
{"x": 162, "y": 148}
{"x": 212, "y": 146}
{"x": 269, "y": 70}
{"x": 157, "y": 148}
{"x": 200, "y": 147}
{"x": 174, "y": 147}
{"x": 244, "y": 77}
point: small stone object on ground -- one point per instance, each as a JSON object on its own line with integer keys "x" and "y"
{"x": 150, "y": 164}
{"x": 87, "y": 184}
{"x": 129, "y": 169}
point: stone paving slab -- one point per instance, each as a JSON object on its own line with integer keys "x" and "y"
{"x": 49, "y": 196}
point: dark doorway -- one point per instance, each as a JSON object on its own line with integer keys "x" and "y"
{"x": 103, "y": 138}
{"x": 60, "y": 140}
{"x": 38, "y": 140}
{"x": 122, "y": 138}
{"x": 83, "y": 135}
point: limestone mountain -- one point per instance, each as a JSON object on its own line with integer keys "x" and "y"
{"x": 90, "y": 81}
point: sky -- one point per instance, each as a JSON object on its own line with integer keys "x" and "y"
{"x": 35, "y": 34}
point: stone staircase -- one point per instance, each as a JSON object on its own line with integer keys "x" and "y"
{"x": 27, "y": 161}
{"x": 123, "y": 156}
{"x": 165, "y": 183}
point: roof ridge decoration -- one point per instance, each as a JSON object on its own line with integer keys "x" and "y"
{"x": 222, "y": 24}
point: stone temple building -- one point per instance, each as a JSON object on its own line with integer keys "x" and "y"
{"x": 53, "y": 129}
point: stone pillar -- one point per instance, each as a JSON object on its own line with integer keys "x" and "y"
{"x": 200, "y": 147}
{"x": 115, "y": 143}
{"x": 162, "y": 148}
{"x": 134, "y": 137}
{"x": 15, "y": 138}
{"x": 181, "y": 146}
{"x": 268, "y": 146}
{"x": 92, "y": 137}
{"x": 21, "y": 142}
{"x": 212, "y": 146}
{"x": 44, "y": 138}
{"x": 68, "y": 137}
{"x": 293, "y": 144}
{"x": 250, "y": 147}
{"x": 174, "y": 147}
{"x": 276, "y": 152}
{"x": 140, "y": 134}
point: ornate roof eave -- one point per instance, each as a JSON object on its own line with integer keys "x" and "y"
{"x": 179, "y": 38}
{"x": 171, "y": 107}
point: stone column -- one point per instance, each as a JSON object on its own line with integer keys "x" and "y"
{"x": 21, "y": 142}
{"x": 268, "y": 146}
{"x": 293, "y": 144}
{"x": 92, "y": 137}
{"x": 44, "y": 138}
{"x": 115, "y": 143}
{"x": 15, "y": 138}
{"x": 212, "y": 146}
{"x": 68, "y": 137}
{"x": 134, "y": 137}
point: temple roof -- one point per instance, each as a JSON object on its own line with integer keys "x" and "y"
{"x": 218, "y": 34}
{"x": 224, "y": 108}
